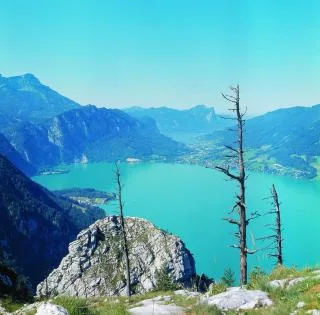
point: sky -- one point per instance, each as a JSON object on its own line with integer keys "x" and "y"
{"x": 176, "y": 53}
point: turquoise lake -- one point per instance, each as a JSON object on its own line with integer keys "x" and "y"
{"x": 190, "y": 201}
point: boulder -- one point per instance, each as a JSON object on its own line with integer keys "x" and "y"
{"x": 238, "y": 298}
{"x": 156, "y": 306}
{"x": 288, "y": 283}
{"x": 95, "y": 265}
{"x": 51, "y": 309}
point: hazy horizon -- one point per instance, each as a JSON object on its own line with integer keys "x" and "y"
{"x": 219, "y": 112}
{"x": 170, "y": 53}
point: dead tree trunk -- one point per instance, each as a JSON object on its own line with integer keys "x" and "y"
{"x": 278, "y": 225}
{"x": 276, "y": 238}
{"x": 123, "y": 231}
{"x": 237, "y": 154}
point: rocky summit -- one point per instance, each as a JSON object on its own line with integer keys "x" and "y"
{"x": 94, "y": 265}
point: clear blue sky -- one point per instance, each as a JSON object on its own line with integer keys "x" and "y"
{"x": 176, "y": 53}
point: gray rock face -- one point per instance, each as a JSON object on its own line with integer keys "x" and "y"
{"x": 94, "y": 265}
{"x": 51, "y": 309}
{"x": 159, "y": 305}
{"x": 237, "y": 298}
{"x": 288, "y": 283}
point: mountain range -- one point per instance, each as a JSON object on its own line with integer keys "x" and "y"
{"x": 40, "y": 129}
{"x": 282, "y": 141}
{"x": 198, "y": 119}
{"x": 47, "y": 129}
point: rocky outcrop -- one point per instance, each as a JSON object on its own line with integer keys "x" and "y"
{"x": 288, "y": 283}
{"x": 94, "y": 265}
{"x": 158, "y": 305}
{"x": 51, "y": 309}
{"x": 237, "y": 298}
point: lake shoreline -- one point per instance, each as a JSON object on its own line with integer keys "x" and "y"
{"x": 192, "y": 200}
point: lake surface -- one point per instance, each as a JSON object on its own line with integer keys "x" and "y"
{"x": 190, "y": 201}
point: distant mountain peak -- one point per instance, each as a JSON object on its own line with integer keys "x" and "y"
{"x": 202, "y": 107}
{"x": 25, "y": 97}
{"x": 30, "y": 76}
{"x": 31, "y": 79}
{"x": 199, "y": 119}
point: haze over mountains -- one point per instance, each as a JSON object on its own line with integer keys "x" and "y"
{"x": 39, "y": 129}
{"x": 48, "y": 129}
{"x": 198, "y": 119}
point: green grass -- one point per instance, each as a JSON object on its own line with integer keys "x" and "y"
{"x": 10, "y": 305}
{"x": 201, "y": 309}
{"x": 92, "y": 306}
{"x": 285, "y": 300}
{"x": 75, "y": 306}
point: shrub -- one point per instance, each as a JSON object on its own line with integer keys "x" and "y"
{"x": 228, "y": 278}
{"x": 201, "y": 283}
{"x": 163, "y": 281}
{"x": 256, "y": 278}
{"x": 282, "y": 272}
{"x": 217, "y": 288}
{"x": 74, "y": 305}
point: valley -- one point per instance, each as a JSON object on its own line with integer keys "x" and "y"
{"x": 159, "y": 157}
{"x": 190, "y": 201}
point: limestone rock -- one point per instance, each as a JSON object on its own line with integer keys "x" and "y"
{"x": 94, "y": 265}
{"x": 51, "y": 309}
{"x": 313, "y": 312}
{"x": 300, "y": 304}
{"x": 156, "y": 306}
{"x": 288, "y": 283}
{"x": 237, "y": 298}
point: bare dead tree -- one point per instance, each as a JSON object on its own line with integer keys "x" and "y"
{"x": 237, "y": 156}
{"x": 276, "y": 237}
{"x": 123, "y": 229}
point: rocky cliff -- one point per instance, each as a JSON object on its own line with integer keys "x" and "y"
{"x": 94, "y": 265}
{"x": 88, "y": 134}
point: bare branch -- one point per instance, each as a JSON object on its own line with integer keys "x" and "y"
{"x": 253, "y": 216}
{"x": 232, "y": 221}
{"x": 228, "y": 99}
{"x": 251, "y": 252}
{"x": 227, "y": 172}
{"x": 231, "y": 148}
